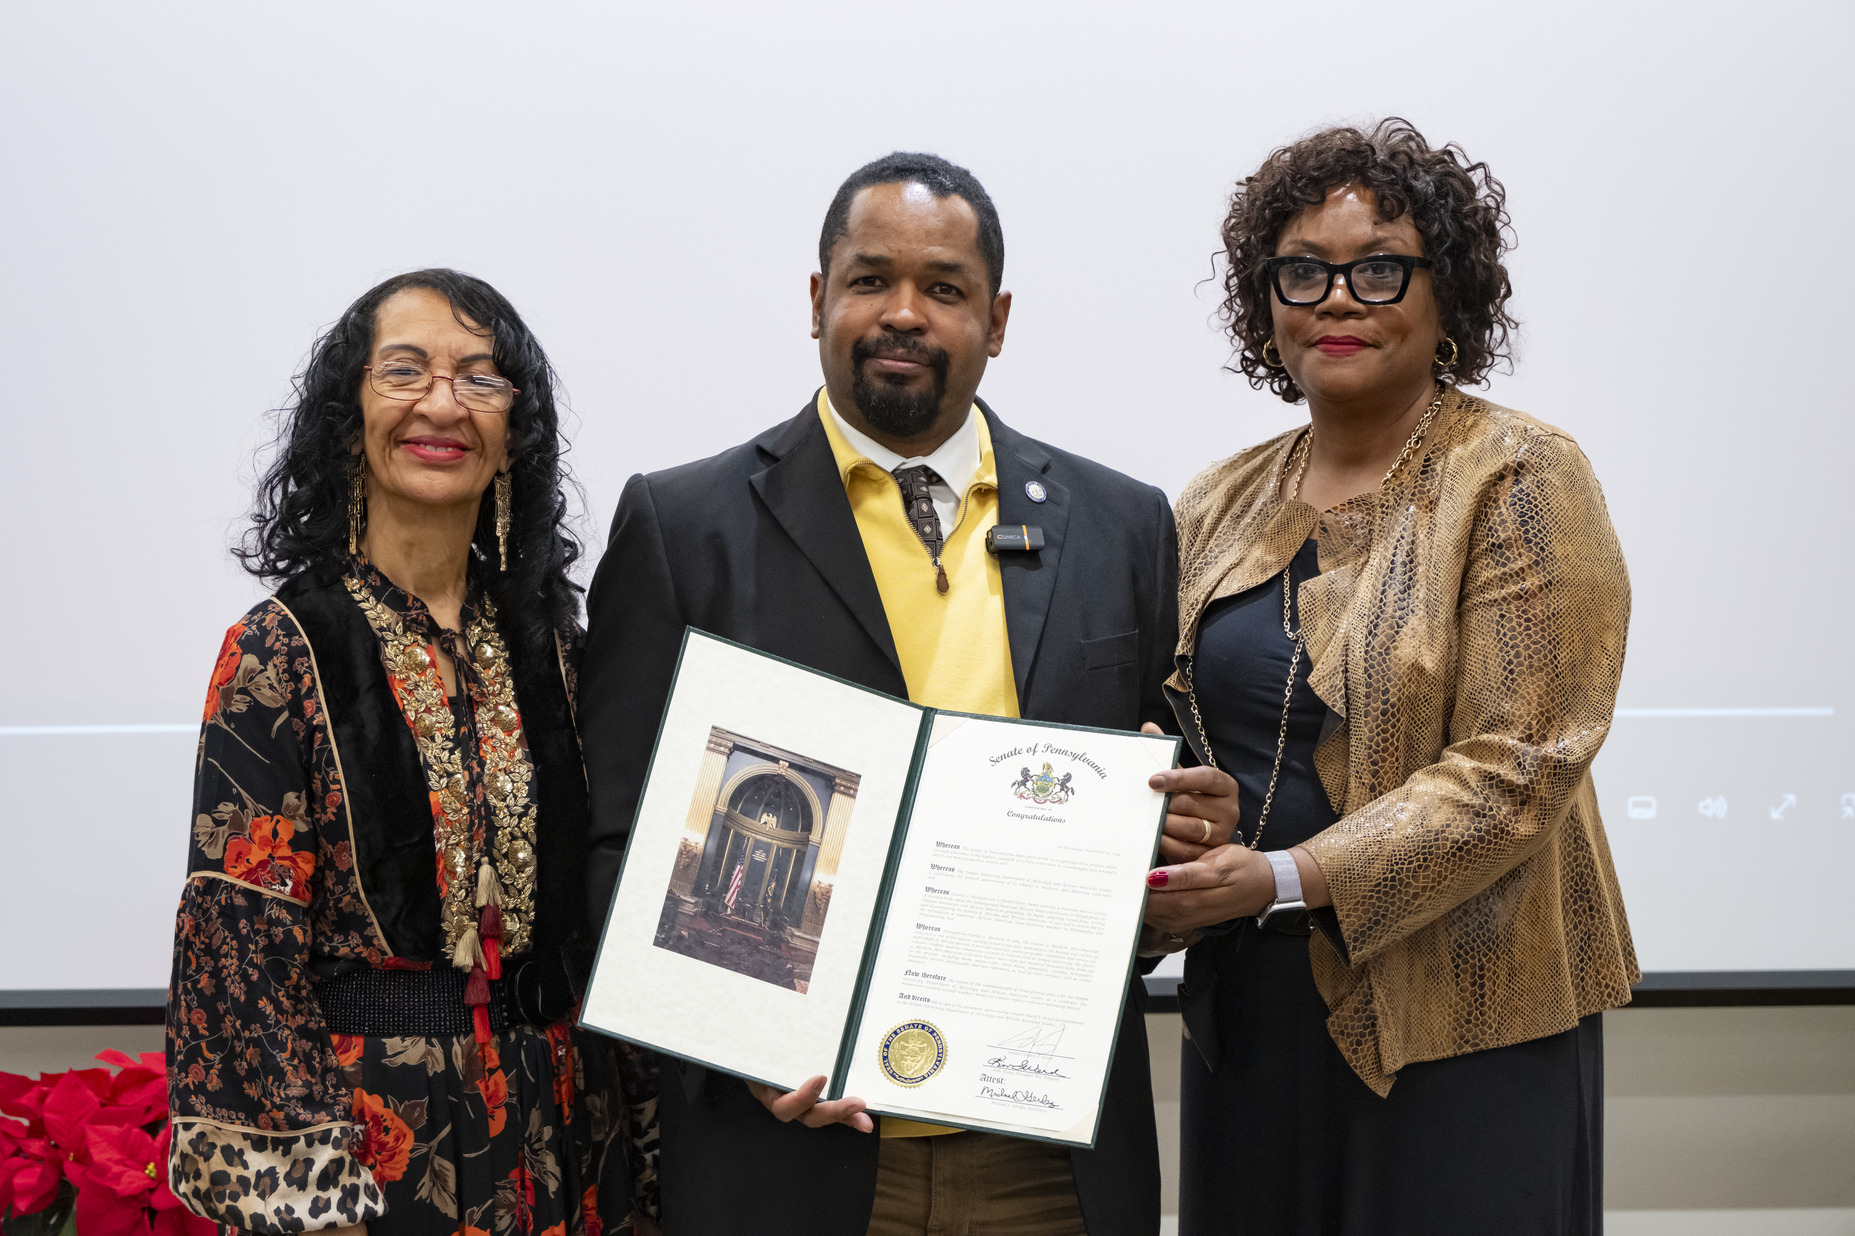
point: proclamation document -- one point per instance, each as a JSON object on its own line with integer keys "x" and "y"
{"x": 936, "y": 911}
{"x": 1011, "y": 927}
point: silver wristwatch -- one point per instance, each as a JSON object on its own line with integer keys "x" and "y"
{"x": 1287, "y": 885}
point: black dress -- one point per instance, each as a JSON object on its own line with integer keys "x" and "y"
{"x": 1281, "y": 1138}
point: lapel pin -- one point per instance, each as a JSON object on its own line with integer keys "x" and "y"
{"x": 1035, "y": 491}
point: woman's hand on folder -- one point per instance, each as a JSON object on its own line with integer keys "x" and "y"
{"x": 803, "y": 1106}
{"x": 1202, "y": 814}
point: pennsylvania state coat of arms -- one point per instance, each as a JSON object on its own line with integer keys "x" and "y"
{"x": 1044, "y": 788}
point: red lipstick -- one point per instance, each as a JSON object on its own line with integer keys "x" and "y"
{"x": 1341, "y": 345}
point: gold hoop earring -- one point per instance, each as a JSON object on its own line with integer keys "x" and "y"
{"x": 1443, "y": 366}
{"x": 502, "y": 519}
{"x": 1277, "y": 363}
{"x": 357, "y": 502}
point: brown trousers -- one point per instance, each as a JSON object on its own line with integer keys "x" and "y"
{"x": 974, "y": 1184}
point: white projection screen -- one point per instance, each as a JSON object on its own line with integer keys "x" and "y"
{"x": 193, "y": 191}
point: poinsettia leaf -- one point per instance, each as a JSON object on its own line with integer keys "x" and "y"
{"x": 101, "y": 1213}
{"x": 112, "y": 1114}
{"x": 35, "y": 1186}
{"x": 68, "y": 1108}
{"x": 12, "y": 1085}
{"x": 182, "y": 1222}
{"x": 97, "y": 1079}
{"x": 119, "y": 1159}
{"x": 52, "y": 1220}
{"x": 29, "y": 1105}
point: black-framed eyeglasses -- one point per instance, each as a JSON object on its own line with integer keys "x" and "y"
{"x": 409, "y": 380}
{"x": 1381, "y": 279}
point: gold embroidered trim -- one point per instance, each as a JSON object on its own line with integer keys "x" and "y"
{"x": 508, "y": 779}
{"x": 412, "y": 671}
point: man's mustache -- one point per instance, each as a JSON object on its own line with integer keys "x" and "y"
{"x": 899, "y": 347}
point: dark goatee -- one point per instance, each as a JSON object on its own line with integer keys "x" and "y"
{"x": 889, "y": 407}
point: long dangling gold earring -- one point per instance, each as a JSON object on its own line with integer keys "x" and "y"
{"x": 502, "y": 518}
{"x": 357, "y": 502}
{"x": 1266, "y": 345}
{"x": 1444, "y": 366}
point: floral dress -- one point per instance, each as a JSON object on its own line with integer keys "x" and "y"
{"x": 279, "y": 1123}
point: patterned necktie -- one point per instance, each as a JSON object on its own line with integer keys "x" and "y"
{"x": 918, "y": 502}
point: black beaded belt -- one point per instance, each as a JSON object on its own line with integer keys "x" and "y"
{"x": 410, "y": 1003}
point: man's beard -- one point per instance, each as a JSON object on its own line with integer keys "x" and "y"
{"x": 897, "y": 410}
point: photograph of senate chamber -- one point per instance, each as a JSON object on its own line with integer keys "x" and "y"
{"x": 758, "y": 858}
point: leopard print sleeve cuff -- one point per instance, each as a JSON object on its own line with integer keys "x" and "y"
{"x": 257, "y": 1181}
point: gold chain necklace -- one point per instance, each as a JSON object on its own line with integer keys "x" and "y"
{"x": 1305, "y": 448}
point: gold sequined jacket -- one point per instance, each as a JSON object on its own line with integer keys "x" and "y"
{"x": 1467, "y": 632}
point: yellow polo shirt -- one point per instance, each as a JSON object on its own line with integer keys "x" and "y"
{"x": 953, "y": 646}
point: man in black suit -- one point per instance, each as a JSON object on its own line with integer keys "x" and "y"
{"x": 851, "y": 539}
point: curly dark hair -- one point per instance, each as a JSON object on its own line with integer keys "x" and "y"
{"x": 299, "y": 521}
{"x": 1458, "y": 207}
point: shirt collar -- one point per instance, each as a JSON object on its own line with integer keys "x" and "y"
{"x": 958, "y": 460}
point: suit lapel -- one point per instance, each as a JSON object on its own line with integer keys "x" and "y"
{"x": 1029, "y": 579}
{"x": 802, "y": 489}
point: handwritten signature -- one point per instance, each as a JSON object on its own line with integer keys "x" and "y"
{"x": 1032, "y": 1041}
{"x": 1022, "y": 1098}
{"x": 1022, "y": 1065}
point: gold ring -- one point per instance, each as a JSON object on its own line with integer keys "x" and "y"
{"x": 1207, "y": 832}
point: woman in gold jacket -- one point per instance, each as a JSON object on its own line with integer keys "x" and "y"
{"x": 1401, "y": 629}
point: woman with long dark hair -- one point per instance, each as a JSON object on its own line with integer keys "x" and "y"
{"x": 382, "y": 940}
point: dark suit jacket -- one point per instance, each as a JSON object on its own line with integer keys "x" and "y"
{"x": 758, "y": 544}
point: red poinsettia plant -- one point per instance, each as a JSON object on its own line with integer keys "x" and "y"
{"x": 86, "y": 1151}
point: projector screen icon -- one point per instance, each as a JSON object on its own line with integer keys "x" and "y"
{"x": 1713, "y": 808}
{"x": 1642, "y": 807}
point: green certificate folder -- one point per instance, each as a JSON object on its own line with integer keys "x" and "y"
{"x": 936, "y": 911}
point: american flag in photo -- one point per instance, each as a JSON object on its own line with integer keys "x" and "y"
{"x": 734, "y": 886}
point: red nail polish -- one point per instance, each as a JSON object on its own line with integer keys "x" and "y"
{"x": 1156, "y": 879}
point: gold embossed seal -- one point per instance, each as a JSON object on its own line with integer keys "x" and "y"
{"x": 912, "y": 1052}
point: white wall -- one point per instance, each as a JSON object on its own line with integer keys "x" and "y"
{"x": 192, "y": 191}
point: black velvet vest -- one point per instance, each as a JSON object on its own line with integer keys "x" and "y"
{"x": 395, "y": 855}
